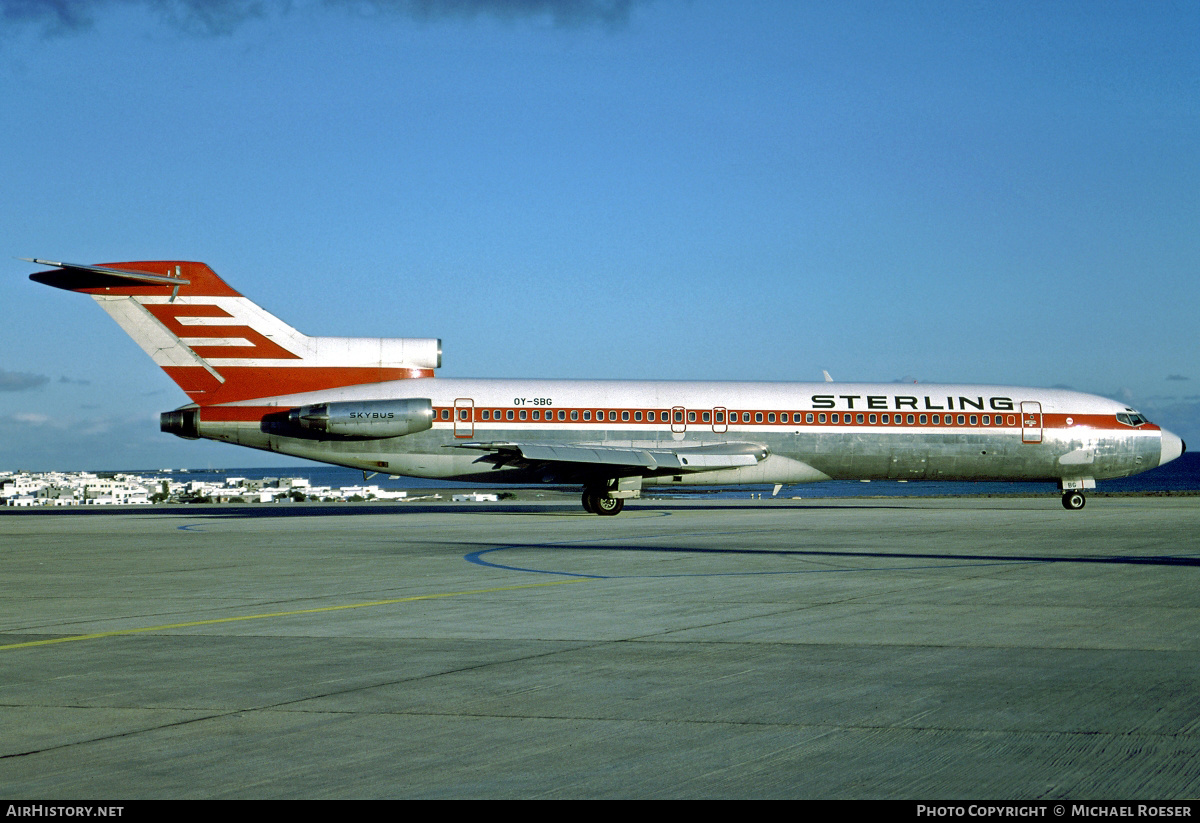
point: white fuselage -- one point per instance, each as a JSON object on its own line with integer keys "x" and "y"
{"x": 810, "y": 431}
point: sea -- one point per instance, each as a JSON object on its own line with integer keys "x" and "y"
{"x": 1181, "y": 475}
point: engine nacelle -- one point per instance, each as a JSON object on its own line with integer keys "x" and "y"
{"x": 366, "y": 418}
{"x": 183, "y": 423}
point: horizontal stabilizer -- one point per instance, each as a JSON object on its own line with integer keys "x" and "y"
{"x": 74, "y": 276}
{"x": 144, "y": 278}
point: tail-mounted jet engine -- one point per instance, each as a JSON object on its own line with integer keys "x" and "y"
{"x": 366, "y": 419}
{"x": 183, "y": 423}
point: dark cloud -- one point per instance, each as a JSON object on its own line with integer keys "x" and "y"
{"x": 57, "y": 16}
{"x": 218, "y": 17}
{"x": 20, "y": 381}
{"x": 562, "y": 12}
{"x": 1178, "y": 377}
{"x": 74, "y": 382}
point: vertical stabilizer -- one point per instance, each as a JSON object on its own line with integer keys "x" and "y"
{"x": 221, "y": 347}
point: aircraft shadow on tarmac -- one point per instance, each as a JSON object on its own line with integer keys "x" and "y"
{"x": 1131, "y": 560}
{"x": 235, "y": 511}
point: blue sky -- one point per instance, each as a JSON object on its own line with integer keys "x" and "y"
{"x": 956, "y": 191}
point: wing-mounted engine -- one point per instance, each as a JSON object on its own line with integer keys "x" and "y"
{"x": 365, "y": 419}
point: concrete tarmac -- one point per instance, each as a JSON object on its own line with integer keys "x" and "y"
{"x": 901, "y": 648}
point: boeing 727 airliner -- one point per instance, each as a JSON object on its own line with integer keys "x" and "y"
{"x": 374, "y": 404}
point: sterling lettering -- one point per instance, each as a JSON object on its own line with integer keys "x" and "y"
{"x": 905, "y": 401}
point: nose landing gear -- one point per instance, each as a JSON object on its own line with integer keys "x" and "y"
{"x": 1072, "y": 491}
{"x": 1073, "y": 500}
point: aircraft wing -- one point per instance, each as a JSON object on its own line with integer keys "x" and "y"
{"x": 616, "y": 460}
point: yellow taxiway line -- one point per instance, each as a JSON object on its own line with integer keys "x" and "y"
{"x": 216, "y": 620}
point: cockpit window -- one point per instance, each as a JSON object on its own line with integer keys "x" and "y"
{"x": 1131, "y": 418}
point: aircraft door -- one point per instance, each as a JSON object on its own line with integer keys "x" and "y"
{"x": 719, "y": 417}
{"x": 678, "y": 419}
{"x": 464, "y": 417}
{"x": 1031, "y": 421}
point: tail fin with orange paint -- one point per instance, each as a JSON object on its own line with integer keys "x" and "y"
{"x": 221, "y": 347}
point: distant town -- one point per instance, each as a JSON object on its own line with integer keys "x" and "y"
{"x": 26, "y": 489}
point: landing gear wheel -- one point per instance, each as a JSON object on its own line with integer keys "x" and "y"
{"x": 607, "y": 506}
{"x": 1073, "y": 500}
{"x": 589, "y": 502}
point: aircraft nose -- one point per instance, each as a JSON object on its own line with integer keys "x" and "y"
{"x": 1172, "y": 447}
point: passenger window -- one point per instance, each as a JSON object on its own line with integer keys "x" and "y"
{"x": 522, "y": 414}
{"x": 783, "y": 417}
{"x": 624, "y": 415}
{"x": 924, "y": 419}
{"x": 821, "y": 417}
{"x": 758, "y": 417}
{"x": 974, "y": 420}
{"x": 486, "y": 412}
{"x": 574, "y": 414}
{"x": 873, "y": 418}
{"x": 835, "y": 418}
{"x": 720, "y": 417}
{"x": 987, "y": 420}
{"x": 650, "y": 416}
{"x": 909, "y": 420}
{"x": 508, "y": 415}
{"x": 562, "y": 415}
{"x": 962, "y": 419}
{"x": 678, "y": 417}
{"x": 691, "y": 417}
{"x": 704, "y": 417}
{"x": 771, "y": 417}
{"x": 637, "y": 415}
{"x": 587, "y": 416}
{"x": 886, "y": 418}
{"x": 808, "y": 417}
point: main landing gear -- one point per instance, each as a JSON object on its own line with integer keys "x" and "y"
{"x": 600, "y": 503}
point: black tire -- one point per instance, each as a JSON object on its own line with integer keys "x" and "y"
{"x": 1073, "y": 501}
{"x": 589, "y": 502}
{"x": 607, "y": 506}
